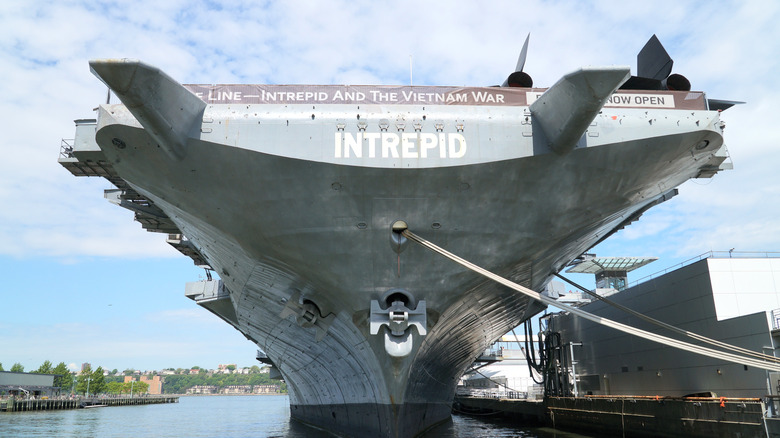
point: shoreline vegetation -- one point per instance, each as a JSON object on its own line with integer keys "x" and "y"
{"x": 225, "y": 380}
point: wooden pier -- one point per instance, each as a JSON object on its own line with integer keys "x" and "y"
{"x": 23, "y": 404}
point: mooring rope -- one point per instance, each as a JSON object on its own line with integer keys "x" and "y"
{"x": 670, "y": 327}
{"x": 704, "y": 351}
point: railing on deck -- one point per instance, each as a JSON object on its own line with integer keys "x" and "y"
{"x": 707, "y": 255}
{"x": 66, "y": 147}
{"x": 500, "y": 393}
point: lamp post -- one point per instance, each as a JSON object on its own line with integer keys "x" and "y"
{"x": 132, "y": 382}
{"x": 89, "y": 378}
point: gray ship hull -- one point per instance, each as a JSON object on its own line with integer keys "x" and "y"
{"x": 288, "y": 221}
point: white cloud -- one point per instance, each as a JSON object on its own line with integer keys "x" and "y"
{"x": 729, "y": 50}
{"x": 46, "y": 82}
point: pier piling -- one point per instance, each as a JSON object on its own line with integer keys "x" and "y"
{"x": 23, "y": 404}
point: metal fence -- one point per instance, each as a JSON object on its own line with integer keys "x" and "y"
{"x": 533, "y": 393}
{"x": 707, "y": 255}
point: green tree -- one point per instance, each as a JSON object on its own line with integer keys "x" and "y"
{"x": 134, "y": 387}
{"x": 114, "y": 371}
{"x": 17, "y": 368}
{"x": 64, "y": 379}
{"x": 98, "y": 384}
{"x": 114, "y": 387}
{"x": 84, "y": 380}
{"x": 45, "y": 368}
{"x": 141, "y": 388}
{"x": 1, "y": 367}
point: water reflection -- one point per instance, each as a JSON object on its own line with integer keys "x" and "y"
{"x": 223, "y": 417}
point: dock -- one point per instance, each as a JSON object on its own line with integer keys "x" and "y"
{"x": 28, "y": 404}
{"x": 634, "y": 416}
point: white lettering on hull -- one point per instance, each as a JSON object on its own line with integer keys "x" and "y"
{"x": 401, "y": 145}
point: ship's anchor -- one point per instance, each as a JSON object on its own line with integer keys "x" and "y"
{"x": 398, "y": 318}
{"x": 307, "y": 314}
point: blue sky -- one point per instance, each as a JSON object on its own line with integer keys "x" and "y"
{"x": 84, "y": 282}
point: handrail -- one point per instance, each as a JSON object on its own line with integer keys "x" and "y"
{"x": 66, "y": 147}
{"x": 667, "y": 397}
{"x": 707, "y": 255}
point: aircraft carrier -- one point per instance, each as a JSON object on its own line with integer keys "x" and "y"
{"x": 296, "y": 196}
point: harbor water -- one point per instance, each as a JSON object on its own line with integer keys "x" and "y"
{"x": 218, "y": 417}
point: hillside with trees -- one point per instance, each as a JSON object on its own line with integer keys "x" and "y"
{"x": 179, "y": 383}
{"x": 176, "y": 381}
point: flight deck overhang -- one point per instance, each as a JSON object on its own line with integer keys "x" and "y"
{"x": 82, "y": 156}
